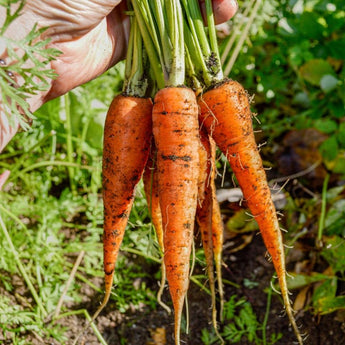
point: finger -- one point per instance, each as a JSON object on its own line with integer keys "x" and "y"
{"x": 79, "y": 64}
{"x": 223, "y": 10}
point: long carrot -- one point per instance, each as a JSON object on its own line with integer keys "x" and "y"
{"x": 225, "y": 112}
{"x": 150, "y": 179}
{"x": 175, "y": 130}
{"x": 127, "y": 137}
{"x": 176, "y": 135}
{"x": 125, "y": 152}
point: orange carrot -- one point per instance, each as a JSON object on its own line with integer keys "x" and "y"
{"x": 217, "y": 227}
{"x": 225, "y": 112}
{"x": 127, "y": 134}
{"x": 204, "y": 215}
{"x": 217, "y": 240}
{"x": 176, "y": 134}
{"x": 150, "y": 180}
{"x": 204, "y": 207}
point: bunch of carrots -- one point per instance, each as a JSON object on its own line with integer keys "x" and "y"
{"x": 176, "y": 107}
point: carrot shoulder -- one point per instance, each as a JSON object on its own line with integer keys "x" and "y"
{"x": 175, "y": 130}
{"x": 225, "y": 112}
{"x": 127, "y": 133}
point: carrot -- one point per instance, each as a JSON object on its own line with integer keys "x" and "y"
{"x": 225, "y": 112}
{"x": 217, "y": 226}
{"x": 205, "y": 168}
{"x": 217, "y": 240}
{"x": 125, "y": 152}
{"x": 204, "y": 215}
{"x": 150, "y": 180}
{"x": 151, "y": 192}
{"x": 175, "y": 130}
{"x": 127, "y": 137}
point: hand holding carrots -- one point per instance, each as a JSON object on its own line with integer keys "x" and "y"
{"x": 174, "y": 61}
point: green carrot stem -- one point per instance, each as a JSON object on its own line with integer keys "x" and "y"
{"x": 151, "y": 24}
{"x": 161, "y": 21}
{"x": 177, "y": 71}
{"x": 161, "y": 26}
{"x": 129, "y": 54}
{"x": 191, "y": 78}
{"x": 212, "y": 34}
{"x": 207, "y": 63}
{"x": 193, "y": 52}
{"x": 148, "y": 42}
{"x": 135, "y": 82}
{"x": 194, "y": 16}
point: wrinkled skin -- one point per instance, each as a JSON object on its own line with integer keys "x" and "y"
{"x": 74, "y": 27}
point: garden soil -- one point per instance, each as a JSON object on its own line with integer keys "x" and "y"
{"x": 246, "y": 268}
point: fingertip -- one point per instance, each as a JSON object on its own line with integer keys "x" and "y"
{"x": 224, "y": 10}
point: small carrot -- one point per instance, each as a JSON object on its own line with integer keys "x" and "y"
{"x": 217, "y": 239}
{"x": 151, "y": 192}
{"x": 176, "y": 135}
{"x": 204, "y": 215}
{"x": 150, "y": 180}
{"x": 225, "y": 112}
{"x": 217, "y": 227}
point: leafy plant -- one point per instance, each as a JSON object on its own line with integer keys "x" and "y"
{"x": 32, "y": 67}
{"x": 324, "y": 285}
{"x": 240, "y": 323}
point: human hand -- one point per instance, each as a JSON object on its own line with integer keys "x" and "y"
{"x": 92, "y": 36}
